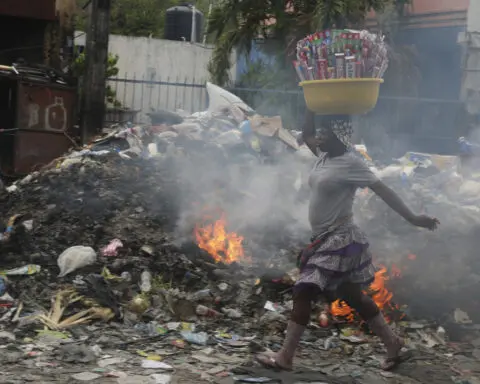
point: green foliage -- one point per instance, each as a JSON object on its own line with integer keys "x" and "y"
{"x": 78, "y": 70}
{"x": 261, "y": 75}
{"x": 236, "y": 24}
{"x": 137, "y": 17}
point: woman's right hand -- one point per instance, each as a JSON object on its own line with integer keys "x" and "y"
{"x": 424, "y": 221}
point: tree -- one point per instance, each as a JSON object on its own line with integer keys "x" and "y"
{"x": 78, "y": 70}
{"x": 137, "y": 17}
{"x": 237, "y": 23}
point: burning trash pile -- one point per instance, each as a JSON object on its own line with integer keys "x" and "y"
{"x": 446, "y": 259}
{"x": 165, "y": 248}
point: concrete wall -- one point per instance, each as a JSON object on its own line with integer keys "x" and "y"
{"x": 149, "y": 64}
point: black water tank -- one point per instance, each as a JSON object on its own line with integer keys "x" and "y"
{"x": 178, "y": 23}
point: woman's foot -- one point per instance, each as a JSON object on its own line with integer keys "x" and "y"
{"x": 274, "y": 361}
{"x": 283, "y": 360}
{"x": 396, "y": 355}
{"x": 392, "y": 342}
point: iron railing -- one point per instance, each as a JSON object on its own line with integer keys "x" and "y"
{"x": 419, "y": 124}
{"x": 135, "y": 97}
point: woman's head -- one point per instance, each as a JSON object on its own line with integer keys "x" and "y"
{"x": 334, "y": 134}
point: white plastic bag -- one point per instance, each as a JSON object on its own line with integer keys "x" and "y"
{"x": 219, "y": 98}
{"x": 75, "y": 258}
{"x": 230, "y": 138}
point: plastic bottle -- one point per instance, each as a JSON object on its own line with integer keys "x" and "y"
{"x": 126, "y": 276}
{"x": 146, "y": 281}
{"x": 200, "y": 338}
{"x": 207, "y": 312}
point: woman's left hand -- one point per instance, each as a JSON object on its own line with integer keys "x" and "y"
{"x": 424, "y": 221}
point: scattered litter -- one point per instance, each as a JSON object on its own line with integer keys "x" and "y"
{"x": 205, "y": 309}
{"x": 161, "y": 379}
{"x": 75, "y": 258}
{"x": 150, "y": 364}
{"x": 269, "y": 306}
{"x": 200, "y": 338}
{"x": 4, "y": 335}
{"x": 112, "y": 248}
{"x": 461, "y": 317}
{"x": 3, "y": 286}
{"x": 24, "y": 271}
{"x": 86, "y": 376}
{"x": 111, "y": 361}
{"x": 253, "y": 379}
{"x": 205, "y": 359}
{"x": 216, "y": 370}
{"x": 146, "y": 282}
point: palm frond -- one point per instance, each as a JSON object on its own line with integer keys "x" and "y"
{"x": 219, "y": 64}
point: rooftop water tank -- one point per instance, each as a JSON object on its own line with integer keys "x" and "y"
{"x": 179, "y": 20}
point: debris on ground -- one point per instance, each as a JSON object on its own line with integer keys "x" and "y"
{"x": 166, "y": 253}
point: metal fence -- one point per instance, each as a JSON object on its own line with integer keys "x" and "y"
{"x": 397, "y": 123}
{"x": 135, "y": 97}
{"x": 419, "y": 124}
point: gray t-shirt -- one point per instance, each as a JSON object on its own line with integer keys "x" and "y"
{"x": 333, "y": 183}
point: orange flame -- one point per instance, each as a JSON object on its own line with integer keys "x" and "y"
{"x": 381, "y": 295}
{"x": 222, "y": 246}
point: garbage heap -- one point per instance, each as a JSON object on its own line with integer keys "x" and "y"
{"x": 162, "y": 247}
{"x": 439, "y": 270}
{"x": 155, "y": 220}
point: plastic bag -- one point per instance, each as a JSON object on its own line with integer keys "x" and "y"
{"x": 219, "y": 98}
{"x": 74, "y": 258}
{"x": 230, "y": 138}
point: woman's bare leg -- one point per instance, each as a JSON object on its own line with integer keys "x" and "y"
{"x": 302, "y": 309}
{"x": 369, "y": 311}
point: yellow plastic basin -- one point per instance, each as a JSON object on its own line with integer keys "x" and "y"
{"x": 341, "y": 96}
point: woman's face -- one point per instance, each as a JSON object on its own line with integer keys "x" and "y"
{"x": 324, "y": 139}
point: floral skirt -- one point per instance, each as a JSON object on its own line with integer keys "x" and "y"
{"x": 337, "y": 257}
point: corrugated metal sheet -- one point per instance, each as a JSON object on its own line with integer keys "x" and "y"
{"x": 34, "y": 9}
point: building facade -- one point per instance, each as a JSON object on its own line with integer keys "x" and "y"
{"x": 39, "y": 31}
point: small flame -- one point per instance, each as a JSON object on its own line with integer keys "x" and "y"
{"x": 377, "y": 291}
{"x": 222, "y": 246}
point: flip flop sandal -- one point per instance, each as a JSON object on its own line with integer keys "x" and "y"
{"x": 393, "y": 362}
{"x": 267, "y": 360}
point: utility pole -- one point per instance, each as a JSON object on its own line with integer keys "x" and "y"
{"x": 94, "y": 82}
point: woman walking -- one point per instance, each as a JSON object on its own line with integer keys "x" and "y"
{"x": 338, "y": 262}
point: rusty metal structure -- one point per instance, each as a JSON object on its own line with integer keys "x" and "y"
{"x": 37, "y": 100}
{"x": 36, "y": 119}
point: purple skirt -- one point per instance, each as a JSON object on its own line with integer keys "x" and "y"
{"x": 340, "y": 256}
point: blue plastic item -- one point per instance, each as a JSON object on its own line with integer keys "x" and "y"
{"x": 468, "y": 148}
{"x": 245, "y": 127}
{"x": 3, "y": 286}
